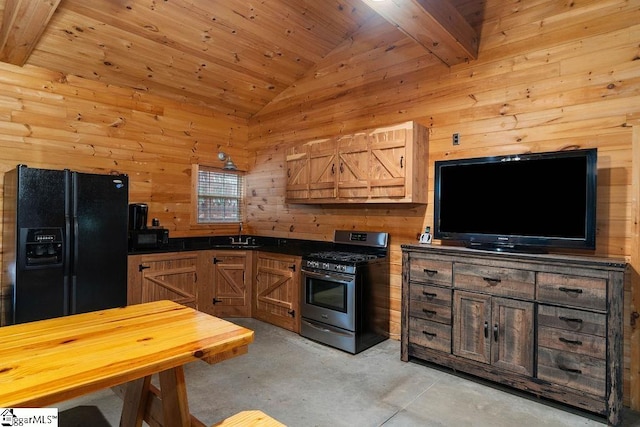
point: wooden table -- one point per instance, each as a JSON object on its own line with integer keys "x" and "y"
{"x": 46, "y": 362}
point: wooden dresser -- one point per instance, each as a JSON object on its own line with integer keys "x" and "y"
{"x": 550, "y": 325}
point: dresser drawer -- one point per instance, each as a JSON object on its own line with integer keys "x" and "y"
{"x": 429, "y": 311}
{"x": 568, "y": 319}
{"x": 572, "y": 370}
{"x": 431, "y": 294}
{"x": 430, "y": 271}
{"x": 425, "y": 333}
{"x": 495, "y": 280}
{"x": 587, "y": 292}
{"x": 572, "y": 342}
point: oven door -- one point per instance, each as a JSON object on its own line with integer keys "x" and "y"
{"x": 329, "y": 298}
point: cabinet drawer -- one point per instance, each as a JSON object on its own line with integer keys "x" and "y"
{"x": 572, "y": 342}
{"x": 428, "y": 334}
{"x": 495, "y": 280}
{"x": 430, "y": 271}
{"x": 429, "y": 311}
{"x": 572, "y": 370}
{"x": 581, "y": 321}
{"x": 430, "y": 294}
{"x": 587, "y": 292}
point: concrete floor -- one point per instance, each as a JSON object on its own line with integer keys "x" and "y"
{"x": 303, "y": 383}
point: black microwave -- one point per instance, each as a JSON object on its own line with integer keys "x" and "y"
{"x": 148, "y": 238}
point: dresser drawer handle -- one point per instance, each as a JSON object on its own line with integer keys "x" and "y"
{"x": 573, "y": 371}
{"x": 430, "y": 273}
{"x": 574, "y": 342}
{"x": 429, "y": 312}
{"x": 430, "y": 334}
{"x": 429, "y": 295}
{"x": 570, "y": 290}
{"x": 570, "y": 319}
{"x": 491, "y": 281}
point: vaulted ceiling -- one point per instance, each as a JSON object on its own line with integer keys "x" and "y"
{"x": 232, "y": 55}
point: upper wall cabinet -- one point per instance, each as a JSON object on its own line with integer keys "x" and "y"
{"x": 383, "y": 165}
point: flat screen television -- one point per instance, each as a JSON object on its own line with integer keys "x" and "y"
{"x": 526, "y": 202}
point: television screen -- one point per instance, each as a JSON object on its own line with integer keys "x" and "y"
{"x": 516, "y": 202}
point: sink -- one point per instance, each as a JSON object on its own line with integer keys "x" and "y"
{"x": 230, "y": 246}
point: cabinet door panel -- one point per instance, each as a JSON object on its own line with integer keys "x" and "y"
{"x": 170, "y": 276}
{"x": 388, "y": 162}
{"x": 471, "y": 338}
{"x": 322, "y": 169}
{"x": 297, "y": 173}
{"x": 277, "y": 290}
{"x": 353, "y": 166}
{"x": 512, "y": 334}
{"x": 231, "y": 293}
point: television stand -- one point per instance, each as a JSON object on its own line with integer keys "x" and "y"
{"x": 546, "y": 324}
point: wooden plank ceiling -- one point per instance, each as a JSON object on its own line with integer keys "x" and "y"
{"x": 231, "y": 55}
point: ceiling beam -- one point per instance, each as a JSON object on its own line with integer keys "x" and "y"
{"x": 23, "y": 23}
{"x": 434, "y": 24}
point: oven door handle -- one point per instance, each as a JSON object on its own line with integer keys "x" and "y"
{"x": 332, "y": 276}
{"x": 324, "y": 329}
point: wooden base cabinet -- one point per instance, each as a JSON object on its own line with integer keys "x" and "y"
{"x": 547, "y": 324}
{"x": 277, "y": 290}
{"x": 172, "y": 276}
{"x": 227, "y": 290}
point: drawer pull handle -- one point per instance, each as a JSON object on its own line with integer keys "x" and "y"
{"x": 429, "y": 312}
{"x": 574, "y": 342}
{"x": 430, "y": 334}
{"x": 570, "y": 319}
{"x": 573, "y": 371}
{"x": 491, "y": 281}
{"x": 430, "y": 273}
{"x": 570, "y": 290}
{"x": 429, "y": 295}
{"x": 486, "y": 329}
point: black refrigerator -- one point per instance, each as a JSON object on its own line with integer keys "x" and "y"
{"x": 64, "y": 243}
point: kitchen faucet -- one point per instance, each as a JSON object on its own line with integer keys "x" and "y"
{"x": 239, "y": 241}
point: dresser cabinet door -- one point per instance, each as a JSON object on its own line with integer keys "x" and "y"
{"x": 512, "y": 335}
{"x": 471, "y": 332}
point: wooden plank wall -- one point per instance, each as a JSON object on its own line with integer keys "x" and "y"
{"x": 550, "y": 76}
{"x": 55, "y": 121}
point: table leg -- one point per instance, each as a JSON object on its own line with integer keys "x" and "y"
{"x": 173, "y": 393}
{"x": 135, "y": 402}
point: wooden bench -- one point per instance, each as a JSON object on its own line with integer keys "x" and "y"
{"x": 253, "y": 418}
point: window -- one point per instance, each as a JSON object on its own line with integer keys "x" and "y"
{"x": 220, "y": 195}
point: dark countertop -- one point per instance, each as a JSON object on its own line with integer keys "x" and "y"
{"x": 285, "y": 246}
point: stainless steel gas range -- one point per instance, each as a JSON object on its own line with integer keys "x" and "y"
{"x": 345, "y": 292}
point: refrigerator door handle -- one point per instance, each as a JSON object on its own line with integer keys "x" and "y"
{"x": 75, "y": 228}
{"x": 67, "y": 243}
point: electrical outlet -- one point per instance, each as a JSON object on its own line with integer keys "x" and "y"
{"x": 455, "y": 138}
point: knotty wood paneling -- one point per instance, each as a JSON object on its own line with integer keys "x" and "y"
{"x": 549, "y": 76}
{"x": 56, "y": 121}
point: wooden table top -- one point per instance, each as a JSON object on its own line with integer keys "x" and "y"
{"x": 48, "y": 361}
